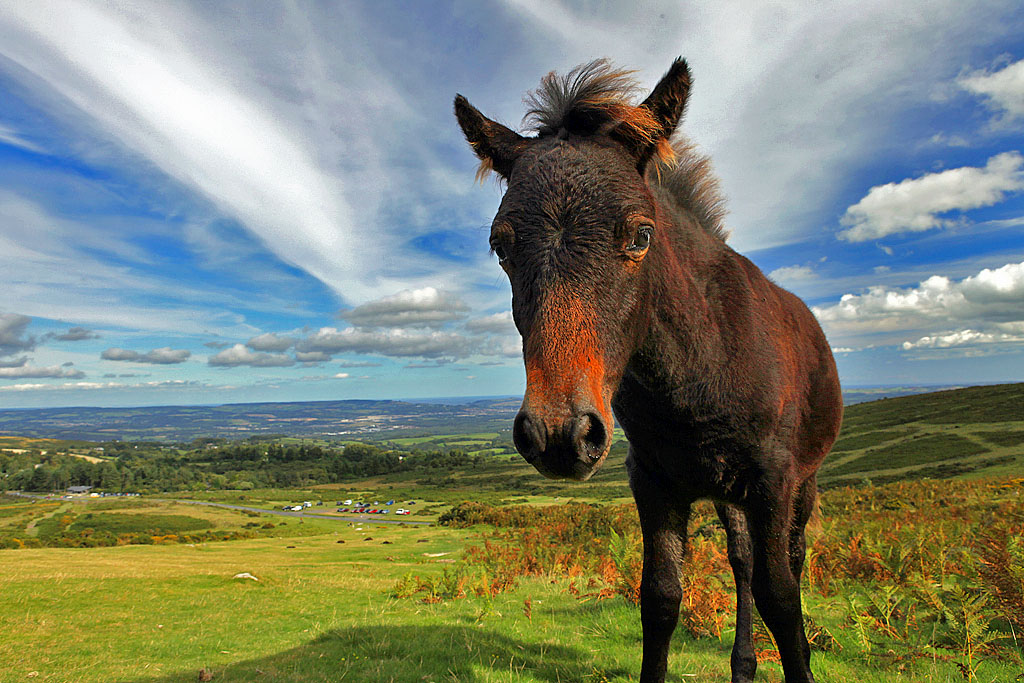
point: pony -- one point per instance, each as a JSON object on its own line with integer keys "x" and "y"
{"x": 633, "y": 308}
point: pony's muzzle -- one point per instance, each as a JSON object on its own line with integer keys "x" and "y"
{"x": 570, "y": 448}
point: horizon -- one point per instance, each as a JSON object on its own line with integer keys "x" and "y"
{"x": 464, "y": 400}
{"x": 207, "y": 205}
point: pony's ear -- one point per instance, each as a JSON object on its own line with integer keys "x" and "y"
{"x": 497, "y": 146}
{"x": 665, "y": 107}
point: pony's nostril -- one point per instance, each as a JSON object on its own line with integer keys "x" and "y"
{"x": 590, "y": 435}
{"x": 528, "y": 435}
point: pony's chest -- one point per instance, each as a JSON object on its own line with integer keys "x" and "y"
{"x": 700, "y": 458}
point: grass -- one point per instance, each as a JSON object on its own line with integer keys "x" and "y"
{"x": 924, "y": 450}
{"x": 324, "y": 610}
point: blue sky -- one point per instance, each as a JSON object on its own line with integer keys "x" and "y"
{"x": 214, "y": 202}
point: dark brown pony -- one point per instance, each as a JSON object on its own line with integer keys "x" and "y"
{"x": 631, "y": 304}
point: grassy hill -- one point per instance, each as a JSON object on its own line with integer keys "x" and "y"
{"x": 971, "y": 432}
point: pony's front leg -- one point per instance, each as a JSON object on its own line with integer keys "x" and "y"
{"x": 744, "y": 659}
{"x": 663, "y": 523}
{"x": 775, "y": 586}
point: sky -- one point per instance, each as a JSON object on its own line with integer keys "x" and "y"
{"x": 210, "y": 203}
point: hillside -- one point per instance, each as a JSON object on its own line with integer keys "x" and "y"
{"x": 976, "y": 431}
{"x": 961, "y": 433}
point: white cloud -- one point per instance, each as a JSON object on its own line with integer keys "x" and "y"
{"x": 789, "y": 274}
{"x": 270, "y": 341}
{"x": 12, "y": 334}
{"x": 987, "y": 308}
{"x": 917, "y": 204}
{"x": 994, "y": 294}
{"x": 162, "y": 356}
{"x": 397, "y": 342}
{"x": 498, "y": 323}
{"x": 76, "y": 334}
{"x": 30, "y": 371}
{"x": 1003, "y": 90}
{"x": 239, "y": 355}
{"x": 75, "y": 386}
{"x": 312, "y": 356}
{"x": 428, "y": 307}
{"x": 341, "y": 375}
{"x": 962, "y": 338}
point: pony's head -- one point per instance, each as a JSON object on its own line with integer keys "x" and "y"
{"x": 575, "y": 233}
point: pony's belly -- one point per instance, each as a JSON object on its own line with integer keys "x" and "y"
{"x": 723, "y": 471}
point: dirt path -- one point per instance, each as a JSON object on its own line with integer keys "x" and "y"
{"x": 30, "y": 528}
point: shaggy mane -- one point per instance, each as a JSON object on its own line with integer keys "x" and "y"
{"x": 594, "y": 98}
{"x": 690, "y": 185}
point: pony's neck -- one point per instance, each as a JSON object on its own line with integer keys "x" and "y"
{"x": 684, "y": 338}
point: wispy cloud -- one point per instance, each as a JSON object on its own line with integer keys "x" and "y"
{"x": 10, "y": 137}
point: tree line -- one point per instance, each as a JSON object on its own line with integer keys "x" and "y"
{"x": 147, "y": 468}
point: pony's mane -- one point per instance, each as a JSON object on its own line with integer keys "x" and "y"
{"x": 691, "y": 185}
{"x": 595, "y": 98}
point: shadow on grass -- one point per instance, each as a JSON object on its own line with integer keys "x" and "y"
{"x": 412, "y": 653}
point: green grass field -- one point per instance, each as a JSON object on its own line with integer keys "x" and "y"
{"x": 324, "y": 609}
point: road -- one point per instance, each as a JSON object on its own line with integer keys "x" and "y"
{"x": 288, "y": 513}
{"x": 284, "y": 513}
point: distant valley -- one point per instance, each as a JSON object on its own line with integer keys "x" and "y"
{"x": 341, "y": 420}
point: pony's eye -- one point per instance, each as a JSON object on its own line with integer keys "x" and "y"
{"x": 499, "y": 251}
{"x": 642, "y": 239}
